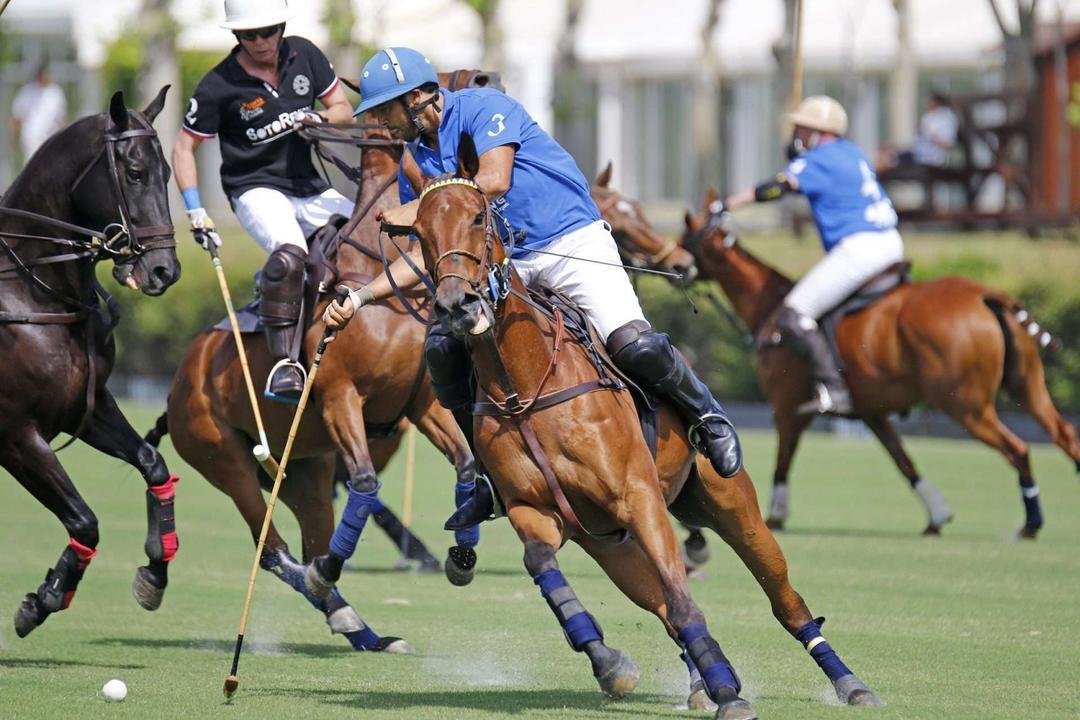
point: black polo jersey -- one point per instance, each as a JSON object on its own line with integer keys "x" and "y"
{"x": 257, "y": 123}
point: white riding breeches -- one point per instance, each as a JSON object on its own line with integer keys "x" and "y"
{"x": 848, "y": 266}
{"x": 274, "y": 218}
{"x": 604, "y": 291}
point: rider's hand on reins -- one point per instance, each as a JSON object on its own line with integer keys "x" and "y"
{"x": 340, "y": 311}
{"x": 203, "y": 228}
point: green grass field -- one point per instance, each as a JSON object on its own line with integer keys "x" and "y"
{"x": 969, "y": 625}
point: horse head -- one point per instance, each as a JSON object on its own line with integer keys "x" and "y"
{"x": 463, "y": 255}
{"x": 709, "y": 235}
{"x": 640, "y": 245}
{"x": 127, "y": 195}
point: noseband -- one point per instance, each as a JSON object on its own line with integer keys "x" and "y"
{"x": 495, "y": 277}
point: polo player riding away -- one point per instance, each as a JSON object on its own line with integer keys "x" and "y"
{"x": 551, "y": 228}
{"x": 254, "y": 101}
{"x": 857, "y": 225}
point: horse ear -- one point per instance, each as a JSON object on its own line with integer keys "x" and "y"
{"x": 117, "y": 109}
{"x": 604, "y": 177}
{"x": 688, "y": 219}
{"x": 711, "y": 196}
{"x": 412, "y": 171}
{"x": 156, "y": 104}
{"x": 468, "y": 162}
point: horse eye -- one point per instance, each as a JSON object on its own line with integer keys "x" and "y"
{"x": 134, "y": 176}
{"x": 479, "y": 219}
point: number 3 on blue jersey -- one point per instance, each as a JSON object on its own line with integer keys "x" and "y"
{"x": 498, "y": 119}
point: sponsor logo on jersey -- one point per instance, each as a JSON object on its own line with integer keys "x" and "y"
{"x": 252, "y": 109}
{"x": 283, "y": 124}
{"x": 301, "y": 85}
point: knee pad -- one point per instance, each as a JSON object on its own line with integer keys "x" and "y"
{"x": 281, "y": 286}
{"x": 647, "y": 356}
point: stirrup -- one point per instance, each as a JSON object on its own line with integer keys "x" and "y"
{"x": 693, "y": 433}
{"x": 826, "y": 403}
{"x": 282, "y": 363}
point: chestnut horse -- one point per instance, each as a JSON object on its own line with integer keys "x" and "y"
{"x": 94, "y": 190}
{"x": 950, "y": 342}
{"x": 373, "y": 377}
{"x": 567, "y": 454}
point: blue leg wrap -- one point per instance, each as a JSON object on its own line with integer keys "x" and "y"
{"x": 577, "y": 623}
{"x": 826, "y": 658}
{"x": 469, "y": 537}
{"x": 1033, "y": 517}
{"x": 720, "y": 679}
{"x": 347, "y": 534}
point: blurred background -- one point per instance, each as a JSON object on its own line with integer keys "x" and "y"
{"x": 678, "y": 96}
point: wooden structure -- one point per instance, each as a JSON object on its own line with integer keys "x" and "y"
{"x": 1057, "y": 160}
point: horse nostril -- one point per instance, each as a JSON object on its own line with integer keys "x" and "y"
{"x": 162, "y": 274}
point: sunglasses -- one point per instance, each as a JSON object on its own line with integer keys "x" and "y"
{"x": 263, "y": 32}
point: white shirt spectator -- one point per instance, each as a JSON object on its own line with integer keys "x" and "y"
{"x": 41, "y": 110}
{"x": 937, "y": 136}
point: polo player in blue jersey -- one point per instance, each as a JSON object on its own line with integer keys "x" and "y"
{"x": 857, "y": 224}
{"x": 536, "y": 187}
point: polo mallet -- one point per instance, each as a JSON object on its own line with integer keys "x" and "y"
{"x": 262, "y": 450}
{"x": 232, "y": 681}
{"x": 410, "y": 477}
{"x": 3, "y": 6}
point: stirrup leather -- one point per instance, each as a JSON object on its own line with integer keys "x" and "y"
{"x": 283, "y": 362}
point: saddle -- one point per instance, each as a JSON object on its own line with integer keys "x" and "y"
{"x": 870, "y": 292}
{"x": 580, "y": 328}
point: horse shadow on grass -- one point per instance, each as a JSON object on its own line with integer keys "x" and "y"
{"x": 53, "y": 663}
{"x": 314, "y": 650}
{"x": 383, "y": 570}
{"x": 864, "y": 533}
{"x": 498, "y": 702}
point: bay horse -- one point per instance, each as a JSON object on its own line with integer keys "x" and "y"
{"x": 571, "y": 463}
{"x": 94, "y": 190}
{"x": 367, "y": 387}
{"x": 950, "y": 342}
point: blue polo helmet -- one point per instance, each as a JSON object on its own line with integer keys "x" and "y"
{"x": 390, "y": 73}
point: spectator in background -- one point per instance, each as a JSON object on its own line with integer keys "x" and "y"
{"x": 936, "y": 138}
{"x": 39, "y": 110}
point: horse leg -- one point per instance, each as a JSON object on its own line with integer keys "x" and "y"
{"x": 439, "y": 426}
{"x": 729, "y": 507}
{"x": 111, "y": 433}
{"x": 645, "y": 515}
{"x": 695, "y": 547}
{"x": 307, "y": 495}
{"x": 789, "y": 429}
{"x": 615, "y": 672}
{"x": 1035, "y": 398}
{"x": 28, "y": 457}
{"x": 629, "y": 568}
{"x": 987, "y": 427}
{"x": 937, "y": 509}
{"x": 343, "y": 413}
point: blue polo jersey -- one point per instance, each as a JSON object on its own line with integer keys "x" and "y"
{"x": 844, "y": 193}
{"x": 548, "y": 195}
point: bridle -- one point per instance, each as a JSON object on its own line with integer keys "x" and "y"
{"x": 718, "y": 220}
{"x": 634, "y": 255}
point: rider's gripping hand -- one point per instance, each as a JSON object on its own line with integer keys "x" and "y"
{"x": 338, "y": 314}
{"x": 203, "y": 228}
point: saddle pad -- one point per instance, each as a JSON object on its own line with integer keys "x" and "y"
{"x": 246, "y": 317}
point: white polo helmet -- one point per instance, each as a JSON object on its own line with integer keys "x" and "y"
{"x": 821, "y": 113}
{"x": 251, "y": 14}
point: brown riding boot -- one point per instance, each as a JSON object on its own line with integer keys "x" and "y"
{"x": 281, "y": 288}
{"x": 805, "y": 338}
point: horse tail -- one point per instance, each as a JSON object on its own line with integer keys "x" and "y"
{"x": 160, "y": 430}
{"x": 999, "y": 303}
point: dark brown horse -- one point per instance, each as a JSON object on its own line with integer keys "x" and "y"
{"x": 950, "y": 342}
{"x": 571, "y": 463}
{"x": 95, "y": 190}
{"x": 366, "y": 387}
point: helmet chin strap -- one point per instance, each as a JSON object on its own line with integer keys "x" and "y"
{"x": 415, "y": 110}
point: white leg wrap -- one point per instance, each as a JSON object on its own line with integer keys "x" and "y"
{"x": 778, "y": 503}
{"x": 344, "y": 620}
{"x": 936, "y": 507}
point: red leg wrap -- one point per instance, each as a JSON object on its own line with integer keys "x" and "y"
{"x": 166, "y": 494}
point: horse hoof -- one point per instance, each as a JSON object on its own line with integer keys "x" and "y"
{"x": 737, "y": 709}
{"x": 774, "y": 523}
{"x": 393, "y": 645}
{"x": 146, "y": 593}
{"x": 429, "y": 565}
{"x": 932, "y": 529}
{"x": 620, "y": 679}
{"x": 852, "y": 691}
{"x": 697, "y": 548}
{"x": 315, "y": 583}
{"x": 28, "y": 616}
{"x": 699, "y": 700}
{"x": 1027, "y": 533}
{"x": 460, "y": 565}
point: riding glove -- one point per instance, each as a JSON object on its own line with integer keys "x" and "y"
{"x": 203, "y": 228}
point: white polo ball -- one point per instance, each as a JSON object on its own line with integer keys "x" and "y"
{"x": 115, "y": 690}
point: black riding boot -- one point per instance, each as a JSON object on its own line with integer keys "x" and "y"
{"x": 281, "y": 289}
{"x": 649, "y": 358}
{"x": 451, "y": 372}
{"x": 805, "y": 338}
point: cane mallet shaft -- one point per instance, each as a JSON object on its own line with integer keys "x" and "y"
{"x": 232, "y": 681}
{"x": 410, "y": 478}
{"x": 262, "y": 450}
